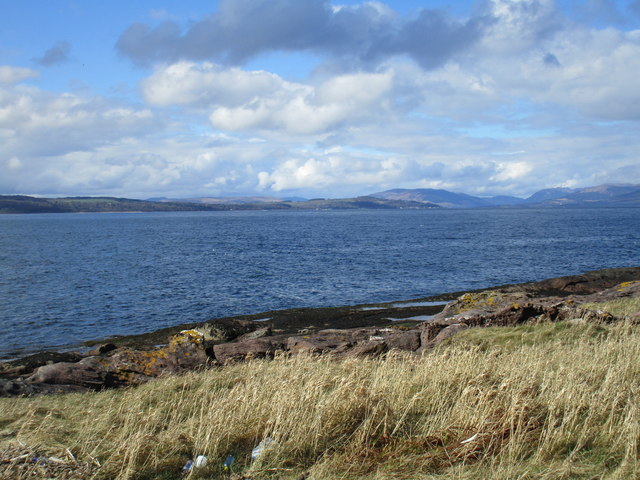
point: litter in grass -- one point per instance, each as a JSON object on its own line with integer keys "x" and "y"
{"x": 259, "y": 450}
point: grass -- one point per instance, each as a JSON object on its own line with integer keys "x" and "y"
{"x": 539, "y": 402}
{"x": 620, "y": 307}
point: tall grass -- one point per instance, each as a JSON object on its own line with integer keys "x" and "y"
{"x": 565, "y": 407}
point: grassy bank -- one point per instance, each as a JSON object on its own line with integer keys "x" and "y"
{"x": 550, "y": 401}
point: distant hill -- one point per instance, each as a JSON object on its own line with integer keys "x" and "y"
{"x": 220, "y": 200}
{"x": 445, "y": 198}
{"x": 360, "y": 202}
{"x": 27, "y": 204}
{"x": 421, "y": 198}
{"x": 549, "y": 194}
{"x": 599, "y": 196}
{"x": 602, "y": 195}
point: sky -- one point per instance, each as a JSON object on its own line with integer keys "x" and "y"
{"x": 315, "y": 98}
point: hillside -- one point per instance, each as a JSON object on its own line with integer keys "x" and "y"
{"x": 599, "y": 196}
{"x": 26, "y": 204}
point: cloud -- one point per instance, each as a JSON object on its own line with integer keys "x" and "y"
{"x": 514, "y": 98}
{"x": 38, "y": 123}
{"x": 206, "y": 84}
{"x": 56, "y": 55}
{"x": 518, "y": 25}
{"x": 10, "y": 75}
{"x": 241, "y": 100}
{"x": 340, "y": 101}
{"x": 365, "y": 34}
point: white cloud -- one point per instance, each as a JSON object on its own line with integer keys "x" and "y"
{"x": 203, "y": 85}
{"x": 512, "y": 171}
{"x": 330, "y": 170}
{"x": 10, "y": 75}
{"x": 243, "y": 100}
{"x": 305, "y": 109}
{"x": 35, "y": 122}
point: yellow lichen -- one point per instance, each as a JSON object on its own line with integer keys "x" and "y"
{"x": 624, "y": 285}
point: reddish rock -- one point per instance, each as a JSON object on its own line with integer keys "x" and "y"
{"x": 408, "y": 340}
{"x": 185, "y": 351}
{"x": 27, "y": 365}
{"x": 447, "y": 332}
{"x": 259, "y": 333}
{"x": 324, "y": 341}
{"x": 83, "y": 373}
{"x": 226, "y": 353}
{"x": 368, "y": 349}
{"x": 428, "y": 332}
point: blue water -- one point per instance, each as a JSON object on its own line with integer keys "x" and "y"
{"x": 65, "y": 278}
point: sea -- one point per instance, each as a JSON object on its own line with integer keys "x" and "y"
{"x": 68, "y": 278}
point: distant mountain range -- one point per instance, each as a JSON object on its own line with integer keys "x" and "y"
{"x": 600, "y": 196}
{"x": 422, "y": 198}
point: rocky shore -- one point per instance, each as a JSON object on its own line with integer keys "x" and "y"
{"x": 365, "y": 330}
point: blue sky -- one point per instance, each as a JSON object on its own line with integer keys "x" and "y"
{"x": 316, "y": 98}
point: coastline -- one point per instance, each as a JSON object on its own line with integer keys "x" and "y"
{"x": 412, "y": 325}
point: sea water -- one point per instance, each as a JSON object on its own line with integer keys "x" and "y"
{"x": 66, "y": 278}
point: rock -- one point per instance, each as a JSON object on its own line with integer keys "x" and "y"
{"x": 259, "y": 333}
{"x": 447, "y": 332}
{"x": 428, "y": 332}
{"x": 368, "y": 349}
{"x": 186, "y": 351}
{"x": 324, "y": 341}
{"x": 84, "y": 374}
{"x": 226, "y": 353}
{"x": 27, "y": 365}
{"x": 408, "y": 340}
{"x": 218, "y": 331}
{"x": 101, "y": 350}
{"x": 583, "y": 284}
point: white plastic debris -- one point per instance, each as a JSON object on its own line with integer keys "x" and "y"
{"x": 470, "y": 439}
{"x": 201, "y": 461}
{"x": 259, "y": 450}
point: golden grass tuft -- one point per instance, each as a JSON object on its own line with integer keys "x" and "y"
{"x": 563, "y": 406}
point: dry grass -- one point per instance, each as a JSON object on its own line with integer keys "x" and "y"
{"x": 562, "y": 407}
{"x": 621, "y": 307}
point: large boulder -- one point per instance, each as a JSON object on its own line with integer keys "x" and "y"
{"x": 125, "y": 366}
{"x": 185, "y": 351}
{"x": 447, "y": 332}
{"x": 325, "y": 341}
{"x": 407, "y": 340}
{"x": 85, "y": 373}
{"x": 27, "y": 365}
{"x": 266, "y": 347}
{"x": 372, "y": 348}
{"x": 219, "y": 331}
